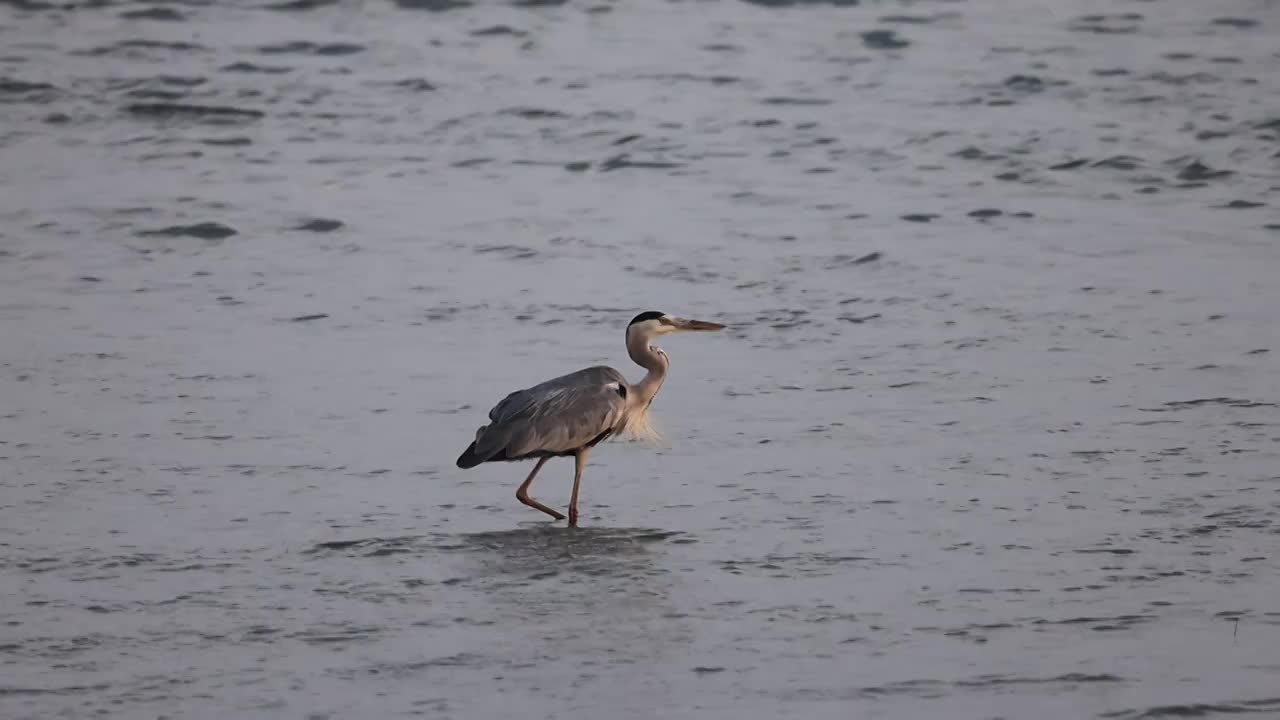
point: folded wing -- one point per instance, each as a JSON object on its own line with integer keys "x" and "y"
{"x": 552, "y": 418}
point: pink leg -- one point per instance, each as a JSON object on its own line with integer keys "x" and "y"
{"x": 522, "y": 494}
{"x": 579, "y": 462}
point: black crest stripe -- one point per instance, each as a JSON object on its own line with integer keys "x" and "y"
{"x": 650, "y": 315}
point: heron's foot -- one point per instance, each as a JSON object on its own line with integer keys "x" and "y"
{"x": 573, "y": 517}
{"x": 524, "y": 498}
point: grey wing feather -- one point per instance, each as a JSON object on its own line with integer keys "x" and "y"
{"x": 557, "y": 416}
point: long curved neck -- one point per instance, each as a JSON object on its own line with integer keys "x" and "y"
{"x": 641, "y": 350}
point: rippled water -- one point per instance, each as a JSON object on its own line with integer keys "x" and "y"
{"x": 994, "y": 432}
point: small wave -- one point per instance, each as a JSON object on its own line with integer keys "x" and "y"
{"x": 217, "y": 114}
{"x": 203, "y": 231}
{"x": 1237, "y": 707}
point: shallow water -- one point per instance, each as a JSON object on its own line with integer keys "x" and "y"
{"x": 994, "y": 430}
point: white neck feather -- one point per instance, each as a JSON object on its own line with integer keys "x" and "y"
{"x": 640, "y": 347}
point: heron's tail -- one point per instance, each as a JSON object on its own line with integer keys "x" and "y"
{"x": 468, "y": 458}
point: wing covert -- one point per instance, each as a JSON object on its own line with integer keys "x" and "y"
{"x": 557, "y": 416}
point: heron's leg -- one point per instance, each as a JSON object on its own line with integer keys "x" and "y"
{"x": 579, "y": 462}
{"x": 522, "y": 494}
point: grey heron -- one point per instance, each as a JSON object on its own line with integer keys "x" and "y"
{"x": 571, "y": 414}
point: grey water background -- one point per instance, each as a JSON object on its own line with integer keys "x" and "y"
{"x": 993, "y": 432}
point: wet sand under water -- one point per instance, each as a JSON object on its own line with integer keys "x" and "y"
{"x": 994, "y": 431}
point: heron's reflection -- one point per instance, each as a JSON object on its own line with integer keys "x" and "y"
{"x": 595, "y": 562}
{"x": 573, "y": 592}
{"x": 543, "y": 550}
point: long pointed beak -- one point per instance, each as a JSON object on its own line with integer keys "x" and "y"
{"x": 703, "y": 325}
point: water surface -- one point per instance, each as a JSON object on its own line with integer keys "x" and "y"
{"x": 993, "y": 432}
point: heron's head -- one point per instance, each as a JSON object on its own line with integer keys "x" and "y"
{"x": 652, "y": 324}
